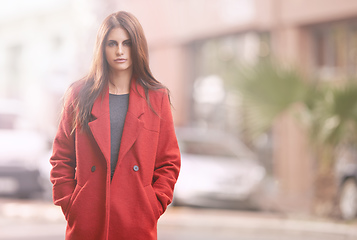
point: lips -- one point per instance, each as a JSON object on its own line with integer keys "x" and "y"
{"x": 120, "y": 60}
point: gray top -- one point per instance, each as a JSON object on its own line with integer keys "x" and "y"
{"x": 118, "y": 105}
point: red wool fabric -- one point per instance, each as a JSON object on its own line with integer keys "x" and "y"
{"x": 142, "y": 186}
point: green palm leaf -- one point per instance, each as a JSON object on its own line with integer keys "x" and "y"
{"x": 267, "y": 91}
{"x": 335, "y": 115}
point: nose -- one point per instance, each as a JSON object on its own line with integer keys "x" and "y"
{"x": 120, "y": 50}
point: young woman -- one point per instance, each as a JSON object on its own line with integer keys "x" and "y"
{"x": 115, "y": 155}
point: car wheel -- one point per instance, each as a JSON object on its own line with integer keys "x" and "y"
{"x": 348, "y": 199}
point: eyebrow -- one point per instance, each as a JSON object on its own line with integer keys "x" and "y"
{"x": 111, "y": 40}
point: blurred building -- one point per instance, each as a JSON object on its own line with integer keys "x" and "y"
{"x": 37, "y": 55}
{"x": 45, "y": 45}
{"x": 193, "y": 45}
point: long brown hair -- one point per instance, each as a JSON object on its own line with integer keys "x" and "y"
{"x": 92, "y": 86}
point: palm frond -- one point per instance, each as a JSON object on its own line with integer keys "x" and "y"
{"x": 336, "y": 115}
{"x": 268, "y": 90}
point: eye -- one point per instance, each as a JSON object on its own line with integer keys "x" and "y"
{"x": 112, "y": 44}
{"x": 127, "y": 43}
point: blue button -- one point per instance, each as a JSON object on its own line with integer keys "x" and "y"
{"x": 136, "y": 168}
{"x": 93, "y": 169}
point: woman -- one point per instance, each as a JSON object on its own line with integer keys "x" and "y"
{"x": 115, "y": 155}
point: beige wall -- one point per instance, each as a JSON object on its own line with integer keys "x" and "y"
{"x": 168, "y": 65}
{"x": 304, "y": 12}
{"x": 293, "y": 165}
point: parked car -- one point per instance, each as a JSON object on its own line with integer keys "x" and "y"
{"x": 346, "y": 172}
{"x": 217, "y": 170}
{"x": 20, "y": 152}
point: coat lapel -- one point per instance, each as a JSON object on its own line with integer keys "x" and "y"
{"x": 133, "y": 125}
{"x": 100, "y": 126}
{"x": 133, "y": 122}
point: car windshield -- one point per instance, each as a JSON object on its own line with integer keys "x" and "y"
{"x": 205, "y": 148}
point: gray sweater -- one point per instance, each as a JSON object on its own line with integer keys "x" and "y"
{"x": 118, "y": 105}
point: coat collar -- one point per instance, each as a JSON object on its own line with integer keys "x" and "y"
{"x": 136, "y": 94}
{"x": 100, "y": 126}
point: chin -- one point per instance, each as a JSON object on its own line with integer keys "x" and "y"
{"x": 122, "y": 68}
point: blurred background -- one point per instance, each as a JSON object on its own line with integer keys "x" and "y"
{"x": 264, "y": 101}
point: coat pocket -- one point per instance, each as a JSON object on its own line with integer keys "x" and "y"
{"x": 154, "y": 202}
{"x": 75, "y": 193}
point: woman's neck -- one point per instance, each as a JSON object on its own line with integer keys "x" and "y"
{"x": 120, "y": 82}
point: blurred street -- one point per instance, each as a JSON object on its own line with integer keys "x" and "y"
{"x": 31, "y": 219}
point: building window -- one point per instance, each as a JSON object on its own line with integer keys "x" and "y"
{"x": 215, "y": 103}
{"x": 335, "y": 50}
{"x": 215, "y": 64}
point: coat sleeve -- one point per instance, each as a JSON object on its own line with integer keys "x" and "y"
{"x": 63, "y": 159}
{"x": 168, "y": 159}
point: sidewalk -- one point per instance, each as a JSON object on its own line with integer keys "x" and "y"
{"x": 224, "y": 220}
{"x": 33, "y": 210}
{"x": 187, "y": 218}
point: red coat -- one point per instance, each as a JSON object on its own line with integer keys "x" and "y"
{"x": 142, "y": 186}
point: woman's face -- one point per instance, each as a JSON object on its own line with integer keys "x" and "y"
{"x": 118, "y": 50}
